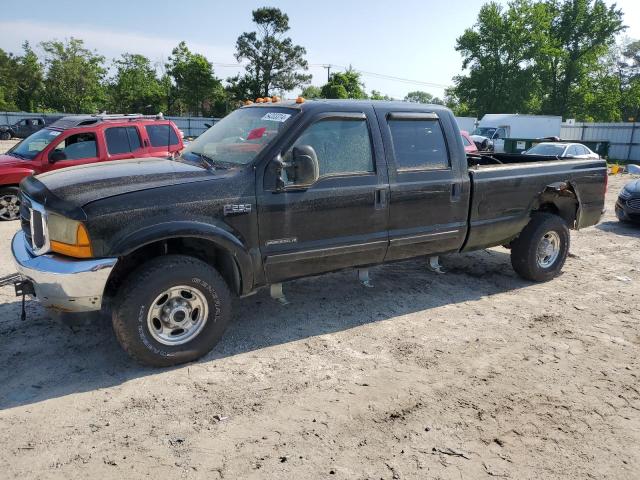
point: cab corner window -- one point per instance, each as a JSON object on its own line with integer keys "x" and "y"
{"x": 419, "y": 144}
{"x": 161, "y": 135}
{"x": 341, "y": 146}
{"x": 122, "y": 140}
{"x": 76, "y": 147}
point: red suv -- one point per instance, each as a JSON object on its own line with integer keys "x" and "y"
{"x": 80, "y": 140}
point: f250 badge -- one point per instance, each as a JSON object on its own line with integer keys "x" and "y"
{"x": 235, "y": 209}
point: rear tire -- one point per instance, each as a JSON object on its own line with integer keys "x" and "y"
{"x": 540, "y": 251}
{"x": 171, "y": 310}
{"x": 9, "y": 203}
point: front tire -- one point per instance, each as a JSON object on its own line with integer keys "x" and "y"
{"x": 5, "y": 135}
{"x": 9, "y": 203}
{"x": 539, "y": 252}
{"x": 171, "y": 310}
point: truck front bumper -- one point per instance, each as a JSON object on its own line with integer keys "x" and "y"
{"x": 63, "y": 283}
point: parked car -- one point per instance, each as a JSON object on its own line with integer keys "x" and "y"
{"x": 23, "y": 128}
{"x": 469, "y": 145}
{"x": 277, "y": 191}
{"x": 79, "y": 140}
{"x": 562, "y": 150}
{"x": 628, "y": 203}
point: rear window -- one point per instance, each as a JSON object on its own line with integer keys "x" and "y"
{"x": 419, "y": 144}
{"x": 162, "y": 135}
{"x": 122, "y": 139}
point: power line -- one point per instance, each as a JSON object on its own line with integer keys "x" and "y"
{"x": 329, "y": 66}
{"x": 385, "y": 76}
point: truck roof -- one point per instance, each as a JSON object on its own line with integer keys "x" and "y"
{"x": 325, "y": 104}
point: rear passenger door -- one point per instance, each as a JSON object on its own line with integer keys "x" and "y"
{"x": 428, "y": 184}
{"x": 123, "y": 143}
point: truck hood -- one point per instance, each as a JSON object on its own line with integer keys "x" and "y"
{"x": 9, "y": 161}
{"x": 70, "y": 189}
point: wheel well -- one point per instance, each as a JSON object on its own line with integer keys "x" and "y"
{"x": 562, "y": 202}
{"x": 205, "y": 250}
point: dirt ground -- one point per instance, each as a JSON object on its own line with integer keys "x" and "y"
{"x": 468, "y": 375}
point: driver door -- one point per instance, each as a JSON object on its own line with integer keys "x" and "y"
{"x": 74, "y": 149}
{"x": 338, "y": 221}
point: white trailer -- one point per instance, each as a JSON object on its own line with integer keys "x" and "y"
{"x": 495, "y": 127}
{"x": 467, "y": 123}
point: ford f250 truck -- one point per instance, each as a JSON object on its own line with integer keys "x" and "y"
{"x": 277, "y": 191}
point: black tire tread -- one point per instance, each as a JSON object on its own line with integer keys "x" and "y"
{"x": 139, "y": 276}
{"x": 521, "y": 260}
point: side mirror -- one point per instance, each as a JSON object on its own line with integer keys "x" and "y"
{"x": 304, "y": 164}
{"x": 56, "y": 156}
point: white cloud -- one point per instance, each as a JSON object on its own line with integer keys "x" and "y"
{"x": 110, "y": 43}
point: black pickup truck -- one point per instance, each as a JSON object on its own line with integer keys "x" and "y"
{"x": 277, "y": 191}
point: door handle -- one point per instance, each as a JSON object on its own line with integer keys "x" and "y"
{"x": 456, "y": 191}
{"x": 381, "y": 198}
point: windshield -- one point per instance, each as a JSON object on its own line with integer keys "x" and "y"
{"x": 484, "y": 131}
{"x": 548, "y": 149}
{"x": 238, "y": 138}
{"x": 34, "y": 144}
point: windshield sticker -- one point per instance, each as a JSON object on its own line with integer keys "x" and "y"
{"x": 276, "y": 117}
{"x": 256, "y": 133}
{"x": 54, "y": 134}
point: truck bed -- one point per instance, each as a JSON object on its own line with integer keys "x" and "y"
{"x": 503, "y": 193}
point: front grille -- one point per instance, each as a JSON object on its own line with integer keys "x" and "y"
{"x": 34, "y": 225}
{"x": 634, "y": 203}
{"x": 25, "y": 218}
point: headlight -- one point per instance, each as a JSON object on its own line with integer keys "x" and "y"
{"x": 68, "y": 237}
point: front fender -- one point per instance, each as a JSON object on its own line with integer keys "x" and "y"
{"x": 14, "y": 175}
{"x": 216, "y": 234}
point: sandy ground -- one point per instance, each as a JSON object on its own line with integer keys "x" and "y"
{"x": 468, "y": 375}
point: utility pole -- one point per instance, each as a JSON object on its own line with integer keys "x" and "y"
{"x": 328, "y": 67}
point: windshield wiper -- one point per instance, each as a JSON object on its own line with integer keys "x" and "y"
{"x": 208, "y": 162}
{"x": 17, "y": 155}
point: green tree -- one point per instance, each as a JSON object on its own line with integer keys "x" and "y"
{"x": 628, "y": 70}
{"x": 29, "y": 76}
{"x": 311, "y": 92}
{"x": 344, "y": 85}
{"x": 135, "y": 86}
{"x": 8, "y": 84}
{"x": 195, "y": 88}
{"x": 419, "y": 96}
{"x": 495, "y": 51}
{"x": 570, "y": 46}
{"x": 275, "y": 64}
{"x": 73, "y": 80}
{"x": 376, "y": 95}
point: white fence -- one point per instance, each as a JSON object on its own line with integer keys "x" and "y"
{"x": 623, "y": 138}
{"x": 191, "y": 126}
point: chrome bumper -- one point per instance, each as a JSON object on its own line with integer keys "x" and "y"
{"x": 60, "y": 282}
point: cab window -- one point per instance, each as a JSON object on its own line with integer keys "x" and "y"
{"x": 76, "y": 147}
{"x": 419, "y": 144}
{"x": 341, "y": 145}
{"x": 122, "y": 140}
{"x": 161, "y": 135}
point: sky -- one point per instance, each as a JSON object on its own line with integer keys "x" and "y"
{"x": 409, "y": 39}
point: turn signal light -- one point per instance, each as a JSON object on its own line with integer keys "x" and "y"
{"x": 81, "y": 249}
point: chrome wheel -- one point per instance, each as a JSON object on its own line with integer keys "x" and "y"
{"x": 9, "y": 207}
{"x": 548, "y": 249}
{"x": 177, "y": 315}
